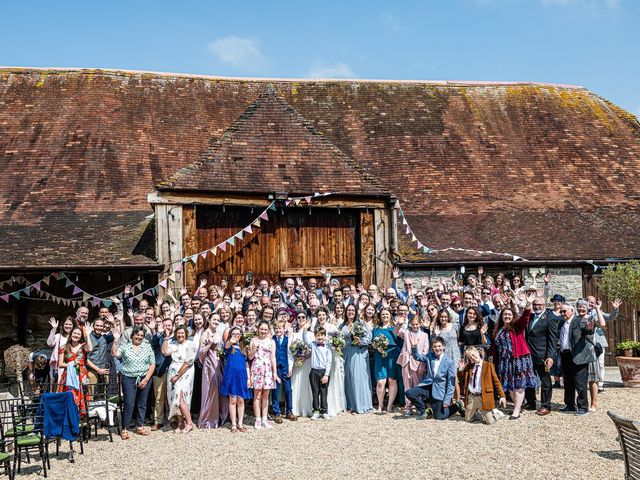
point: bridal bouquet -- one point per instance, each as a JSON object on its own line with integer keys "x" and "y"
{"x": 337, "y": 342}
{"x": 381, "y": 344}
{"x": 247, "y": 337}
{"x": 358, "y": 330}
{"x": 300, "y": 351}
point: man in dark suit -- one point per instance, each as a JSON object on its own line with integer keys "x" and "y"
{"x": 576, "y": 352}
{"x": 542, "y": 337}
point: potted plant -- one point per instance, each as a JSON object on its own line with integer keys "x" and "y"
{"x": 623, "y": 281}
{"x": 626, "y": 348}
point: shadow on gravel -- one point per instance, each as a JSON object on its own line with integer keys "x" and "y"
{"x": 609, "y": 454}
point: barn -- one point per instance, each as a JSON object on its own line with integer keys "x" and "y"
{"x": 117, "y": 177}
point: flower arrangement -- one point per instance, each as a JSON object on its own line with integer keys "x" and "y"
{"x": 247, "y": 337}
{"x": 300, "y": 351}
{"x": 220, "y": 350}
{"x": 381, "y": 344}
{"x": 337, "y": 342}
{"x": 358, "y": 330}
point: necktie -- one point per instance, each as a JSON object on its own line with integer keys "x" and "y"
{"x": 536, "y": 317}
{"x": 474, "y": 378}
{"x": 279, "y": 340}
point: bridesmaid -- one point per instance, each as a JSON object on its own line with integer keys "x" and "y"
{"x": 356, "y": 364}
{"x": 199, "y": 326}
{"x": 214, "y": 408}
{"x": 386, "y": 368}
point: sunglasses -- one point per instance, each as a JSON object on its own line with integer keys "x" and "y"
{"x": 301, "y": 316}
{"x": 457, "y": 304}
{"x": 254, "y": 303}
{"x": 563, "y": 311}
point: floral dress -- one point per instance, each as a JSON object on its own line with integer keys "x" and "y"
{"x": 262, "y": 368}
{"x": 78, "y": 359}
{"x": 515, "y": 372}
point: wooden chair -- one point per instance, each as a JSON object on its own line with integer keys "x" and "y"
{"x": 6, "y": 435}
{"x": 629, "y": 438}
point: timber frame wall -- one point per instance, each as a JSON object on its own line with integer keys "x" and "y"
{"x": 177, "y": 236}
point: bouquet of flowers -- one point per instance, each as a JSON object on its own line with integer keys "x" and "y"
{"x": 220, "y": 350}
{"x": 300, "y": 351}
{"x": 358, "y": 330}
{"x": 380, "y": 343}
{"x": 337, "y": 342}
{"x": 247, "y": 337}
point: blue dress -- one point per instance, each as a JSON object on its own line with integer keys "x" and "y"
{"x": 386, "y": 367}
{"x": 234, "y": 378}
{"x": 357, "y": 376}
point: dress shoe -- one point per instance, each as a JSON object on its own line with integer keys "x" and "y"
{"x": 567, "y": 410}
{"x": 292, "y": 417}
{"x": 155, "y": 427}
{"x": 278, "y": 419}
{"x": 529, "y": 407}
{"x": 543, "y": 411}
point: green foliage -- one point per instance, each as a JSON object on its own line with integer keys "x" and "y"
{"x": 626, "y": 345}
{"x": 622, "y": 281}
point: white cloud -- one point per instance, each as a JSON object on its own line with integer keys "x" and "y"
{"x": 391, "y": 21}
{"x": 241, "y": 52}
{"x": 321, "y": 69}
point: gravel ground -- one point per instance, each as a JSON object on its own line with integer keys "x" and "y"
{"x": 368, "y": 446}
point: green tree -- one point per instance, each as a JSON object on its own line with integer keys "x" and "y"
{"x": 622, "y": 280}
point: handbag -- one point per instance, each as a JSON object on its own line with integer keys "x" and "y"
{"x": 597, "y": 348}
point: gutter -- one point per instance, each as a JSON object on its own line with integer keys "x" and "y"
{"x": 453, "y": 263}
{"x": 77, "y": 268}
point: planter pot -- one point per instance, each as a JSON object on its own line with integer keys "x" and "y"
{"x": 629, "y": 370}
{"x": 627, "y": 353}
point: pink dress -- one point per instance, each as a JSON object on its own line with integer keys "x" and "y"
{"x": 262, "y": 368}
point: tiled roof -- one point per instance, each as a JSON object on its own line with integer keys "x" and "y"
{"x": 271, "y": 148}
{"x": 473, "y": 165}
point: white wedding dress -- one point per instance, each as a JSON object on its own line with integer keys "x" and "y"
{"x": 336, "y": 399}
{"x": 300, "y": 384}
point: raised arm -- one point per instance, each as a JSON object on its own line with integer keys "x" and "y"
{"x": 51, "y": 340}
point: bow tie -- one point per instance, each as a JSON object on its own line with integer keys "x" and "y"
{"x": 320, "y": 344}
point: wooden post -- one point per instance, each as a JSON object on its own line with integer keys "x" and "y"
{"x": 169, "y": 238}
{"x": 190, "y": 244}
{"x": 367, "y": 248}
{"x": 383, "y": 266}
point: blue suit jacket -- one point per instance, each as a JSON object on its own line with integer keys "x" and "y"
{"x": 442, "y": 382}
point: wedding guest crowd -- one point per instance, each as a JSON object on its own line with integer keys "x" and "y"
{"x": 317, "y": 348}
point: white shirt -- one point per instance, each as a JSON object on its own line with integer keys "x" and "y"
{"x": 564, "y": 336}
{"x": 475, "y": 385}
{"x": 436, "y": 365}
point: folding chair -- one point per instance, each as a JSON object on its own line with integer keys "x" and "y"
{"x": 28, "y": 435}
{"x": 100, "y": 409}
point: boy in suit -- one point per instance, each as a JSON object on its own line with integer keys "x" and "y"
{"x": 321, "y": 359}
{"x": 437, "y": 386}
{"x": 480, "y": 381}
{"x": 284, "y": 360}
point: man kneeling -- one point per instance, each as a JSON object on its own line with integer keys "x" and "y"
{"x": 437, "y": 386}
{"x": 479, "y": 382}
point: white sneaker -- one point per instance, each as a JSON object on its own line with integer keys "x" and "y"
{"x": 325, "y": 416}
{"x": 315, "y": 416}
{"x": 257, "y": 425}
{"x": 266, "y": 424}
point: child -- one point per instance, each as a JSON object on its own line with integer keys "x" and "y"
{"x": 284, "y": 369}
{"x": 320, "y": 370}
{"x": 235, "y": 379}
{"x": 412, "y": 370}
{"x": 263, "y": 373}
{"x": 479, "y": 382}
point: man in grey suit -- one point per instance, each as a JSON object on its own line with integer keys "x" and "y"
{"x": 576, "y": 352}
{"x": 601, "y": 337}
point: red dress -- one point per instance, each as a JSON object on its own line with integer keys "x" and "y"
{"x": 78, "y": 359}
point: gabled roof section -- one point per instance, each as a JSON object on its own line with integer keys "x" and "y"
{"x": 272, "y": 148}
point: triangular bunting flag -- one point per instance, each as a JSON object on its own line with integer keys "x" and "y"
{"x": 404, "y": 221}
{"x": 95, "y": 301}
{"x": 194, "y": 258}
{"x": 85, "y": 296}
{"x": 138, "y": 297}
{"x": 232, "y": 241}
{"x": 256, "y": 222}
{"x": 420, "y": 245}
{"x": 240, "y": 235}
{"x": 179, "y": 267}
{"x": 204, "y": 254}
{"x": 287, "y": 202}
{"x": 107, "y": 303}
{"x": 296, "y": 201}
{"x": 68, "y": 283}
{"x": 408, "y": 230}
{"x": 223, "y": 247}
{"x": 272, "y": 206}
{"x": 46, "y": 279}
{"x": 516, "y": 258}
{"x": 48, "y": 296}
{"x": 413, "y": 238}
{"x": 5, "y": 297}
{"x": 264, "y": 215}
{"x": 248, "y": 229}
{"x": 163, "y": 283}
{"x": 214, "y": 250}
{"x": 172, "y": 277}
{"x": 62, "y": 275}
{"x": 56, "y": 275}
{"x": 37, "y": 286}
{"x": 15, "y": 295}
{"x": 76, "y": 291}
{"x": 308, "y": 199}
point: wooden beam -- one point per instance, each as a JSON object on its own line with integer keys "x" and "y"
{"x": 169, "y": 237}
{"x": 315, "y": 272}
{"x": 382, "y": 224}
{"x": 190, "y": 243}
{"x": 190, "y": 198}
{"x": 367, "y": 248}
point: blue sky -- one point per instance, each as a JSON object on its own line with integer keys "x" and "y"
{"x": 594, "y": 43}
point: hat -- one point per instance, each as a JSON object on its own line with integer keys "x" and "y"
{"x": 558, "y": 298}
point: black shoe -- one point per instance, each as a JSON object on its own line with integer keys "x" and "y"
{"x": 530, "y": 407}
{"x": 557, "y": 385}
{"x": 581, "y": 413}
{"x": 567, "y": 410}
{"x": 601, "y": 390}
{"x": 514, "y": 418}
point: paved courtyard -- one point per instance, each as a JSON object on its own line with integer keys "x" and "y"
{"x": 368, "y": 446}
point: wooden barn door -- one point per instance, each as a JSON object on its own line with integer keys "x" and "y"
{"x": 294, "y": 242}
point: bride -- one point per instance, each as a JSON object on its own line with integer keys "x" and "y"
{"x": 336, "y": 400}
{"x": 300, "y": 385}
